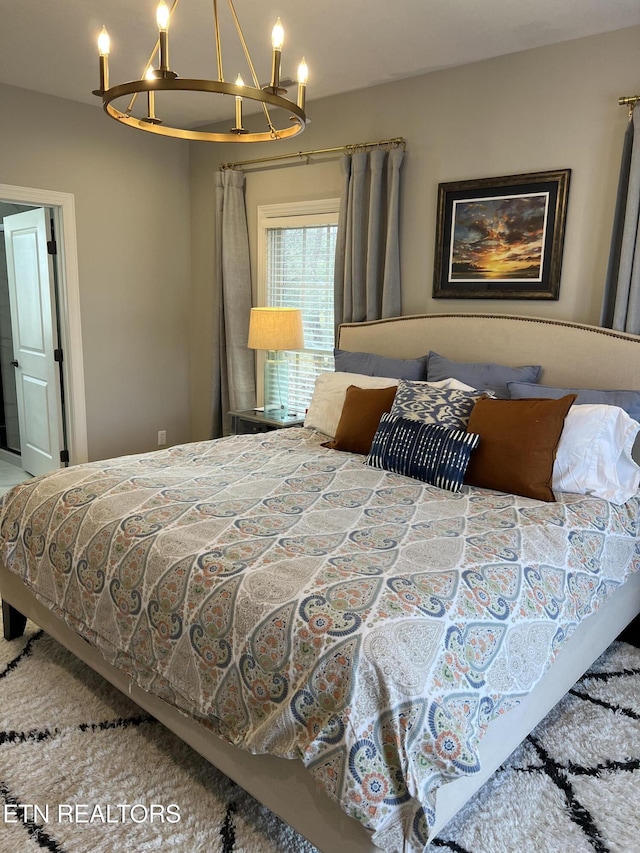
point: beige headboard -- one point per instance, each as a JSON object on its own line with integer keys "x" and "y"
{"x": 571, "y": 354}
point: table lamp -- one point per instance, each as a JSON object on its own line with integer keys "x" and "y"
{"x": 276, "y": 330}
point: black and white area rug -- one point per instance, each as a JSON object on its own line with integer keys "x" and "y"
{"x": 83, "y": 770}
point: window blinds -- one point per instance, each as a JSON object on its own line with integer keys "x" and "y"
{"x": 300, "y": 263}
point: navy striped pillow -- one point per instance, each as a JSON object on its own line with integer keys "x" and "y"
{"x": 432, "y": 453}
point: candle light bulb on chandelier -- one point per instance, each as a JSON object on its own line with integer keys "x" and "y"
{"x": 303, "y": 74}
{"x": 277, "y": 40}
{"x": 277, "y": 35}
{"x": 151, "y": 100}
{"x": 163, "y": 16}
{"x": 238, "y": 126}
{"x": 104, "y": 42}
{"x": 104, "y": 46}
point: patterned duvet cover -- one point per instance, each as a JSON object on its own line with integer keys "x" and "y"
{"x": 307, "y": 605}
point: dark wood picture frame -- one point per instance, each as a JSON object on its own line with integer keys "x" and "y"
{"x": 501, "y": 238}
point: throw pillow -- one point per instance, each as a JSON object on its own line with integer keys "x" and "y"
{"x": 428, "y": 452}
{"x": 361, "y": 413}
{"x": 423, "y": 402}
{"x": 518, "y": 441}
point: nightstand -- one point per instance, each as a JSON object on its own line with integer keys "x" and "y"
{"x": 254, "y": 421}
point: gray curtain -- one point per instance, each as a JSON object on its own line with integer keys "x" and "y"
{"x": 233, "y": 363}
{"x": 621, "y": 304}
{"x": 367, "y": 270}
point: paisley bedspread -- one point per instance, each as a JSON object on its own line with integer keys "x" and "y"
{"x": 307, "y": 605}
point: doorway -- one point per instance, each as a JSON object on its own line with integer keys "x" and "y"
{"x": 9, "y": 430}
{"x": 61, "y": 208}
{"x": 31, "y": 257}
{"x": 10, "y": 442}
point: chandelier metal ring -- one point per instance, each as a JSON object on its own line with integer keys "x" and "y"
{"x": 297, "y": 115}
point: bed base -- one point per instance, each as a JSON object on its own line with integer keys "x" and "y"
{"x": 13, "y": 622}
{"x": 284, "y": 786}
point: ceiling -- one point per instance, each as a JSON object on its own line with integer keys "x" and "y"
{"x": 50, "y": 46}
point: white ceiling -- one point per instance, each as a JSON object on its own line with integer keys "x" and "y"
{"x": 50, "y": 46}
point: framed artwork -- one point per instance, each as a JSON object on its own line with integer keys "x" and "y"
{"x": 501, "y": 238}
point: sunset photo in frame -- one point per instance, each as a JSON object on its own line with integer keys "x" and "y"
{"x": 501, "y": 238}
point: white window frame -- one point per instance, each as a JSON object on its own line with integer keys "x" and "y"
{"x": 288, "y": 215}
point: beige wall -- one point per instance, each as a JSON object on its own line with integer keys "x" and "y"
{"x": 548, "y": 108}
{"x": 132, "y": 208}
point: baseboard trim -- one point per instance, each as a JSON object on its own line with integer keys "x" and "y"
{"x": 11, "y": 458}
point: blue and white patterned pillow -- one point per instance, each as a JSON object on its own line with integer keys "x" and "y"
{"x": 428, "y": 452}
{"x": 420, "y": 401}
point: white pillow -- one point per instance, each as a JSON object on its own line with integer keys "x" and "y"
{"x": 594, "y": 454}
{"x": 329, "y": 392}
{"x": 453, "y": 385}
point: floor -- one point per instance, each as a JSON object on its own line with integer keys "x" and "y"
{"x": 10, "y": 475}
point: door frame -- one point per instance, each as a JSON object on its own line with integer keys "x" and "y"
{"x": 64, "y": 219}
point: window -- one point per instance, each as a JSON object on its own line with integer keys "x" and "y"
{"x": 296, "y": 248}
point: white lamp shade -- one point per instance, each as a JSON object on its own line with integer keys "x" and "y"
{"x": 275, "y": 329}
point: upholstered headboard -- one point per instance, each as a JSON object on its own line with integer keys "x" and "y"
{"x": 571, "y": 354}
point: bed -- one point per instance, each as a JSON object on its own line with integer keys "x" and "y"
{"x": 230, "y": 587}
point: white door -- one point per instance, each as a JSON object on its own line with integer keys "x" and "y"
{"x": 34, "y": 328}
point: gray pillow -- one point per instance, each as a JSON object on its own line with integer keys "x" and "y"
{"x": 482, "y": 375}
{"x": 629, "y": 401}
{"x": 370, "y": 364}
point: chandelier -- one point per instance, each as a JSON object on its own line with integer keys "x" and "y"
{"x": 162, "y": 78}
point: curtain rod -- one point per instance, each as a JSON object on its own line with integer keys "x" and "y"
{"x": 630, "y": 101}
{"x": 394, "y": 143}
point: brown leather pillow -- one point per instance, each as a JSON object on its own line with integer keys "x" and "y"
{"x": 518, "y": 442}
{"x": 361, "y": 413}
